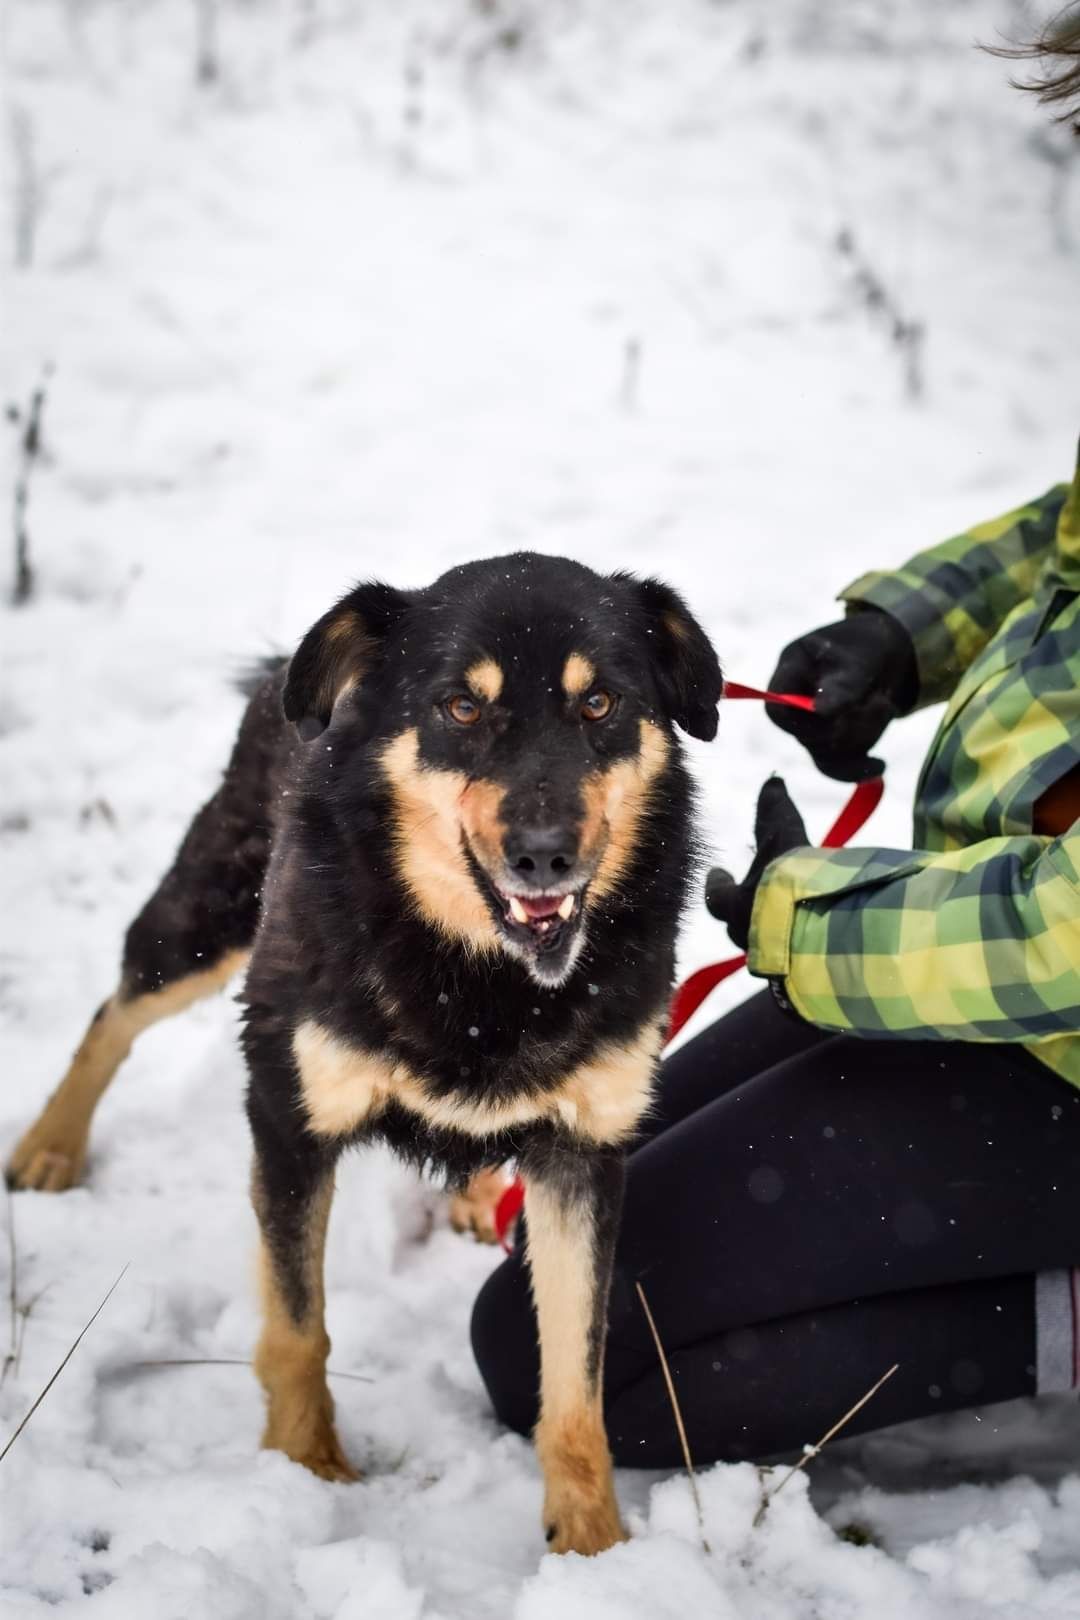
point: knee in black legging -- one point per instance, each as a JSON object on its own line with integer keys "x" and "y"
{"x": 505, "y": 1345}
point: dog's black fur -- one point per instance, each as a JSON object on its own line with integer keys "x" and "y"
{"x": 306, "y": 850}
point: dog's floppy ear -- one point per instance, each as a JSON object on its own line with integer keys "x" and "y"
{"x": 687, "y": 669}
{"x": 337, "y": 652}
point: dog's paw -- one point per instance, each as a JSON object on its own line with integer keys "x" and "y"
{"x": 574, "y": 1527}
{"x": 46, "y": 1162}
{"x": 474, "y": 1209}
{"x": 580, "y": 1511}
{"x": 320, "y": 1453}
{"x": 331, "y": 1463}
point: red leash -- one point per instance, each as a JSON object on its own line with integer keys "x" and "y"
{"x": 691, "y": 993}
{"x": 788, "y": 700}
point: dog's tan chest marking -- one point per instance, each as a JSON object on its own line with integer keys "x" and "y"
{"x": 345, "y": 1088}
{"x": 604, "y": 1098}
{"x": 340, "y": 1087}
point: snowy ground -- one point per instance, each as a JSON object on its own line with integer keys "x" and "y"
{"x": 404, "y": 284}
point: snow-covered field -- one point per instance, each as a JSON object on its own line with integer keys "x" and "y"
{"x": 406, "y": 282}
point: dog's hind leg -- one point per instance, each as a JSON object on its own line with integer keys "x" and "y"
{"x": 292, "y": 1189}
{"x": 474, "y": 1209}
{"x": 189, "y": 939}
{"x": 572, "y": 1201}
{"x": 50, "y": 1156}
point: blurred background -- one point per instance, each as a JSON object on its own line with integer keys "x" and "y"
{"x": 755, "y": 297}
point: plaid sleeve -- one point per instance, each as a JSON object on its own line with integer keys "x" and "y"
{"x": 981, "y": 944}
{"x": 952, "y": 598}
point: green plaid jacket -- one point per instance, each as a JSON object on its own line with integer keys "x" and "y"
{"x": 975, "y": 934}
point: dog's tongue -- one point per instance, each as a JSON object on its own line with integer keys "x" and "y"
{"x": 544, "y": 905}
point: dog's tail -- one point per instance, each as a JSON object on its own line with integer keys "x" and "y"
{"x": 251, "y": 676}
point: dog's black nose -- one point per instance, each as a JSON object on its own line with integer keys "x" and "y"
{"x": 541, "y": 857}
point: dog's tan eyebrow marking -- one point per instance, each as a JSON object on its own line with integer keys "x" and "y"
{"x": 486, "y": 678}
{"x": 578, "y": 675}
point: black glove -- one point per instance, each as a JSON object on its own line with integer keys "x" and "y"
{"x": 862, "y": 674}
{"x": 778, "y": 827}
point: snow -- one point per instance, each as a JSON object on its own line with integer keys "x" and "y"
{"x": 407, "y": 284}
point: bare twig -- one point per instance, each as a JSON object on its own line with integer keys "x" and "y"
{"x": 27, "y": 185}
{"x": 30, "y": 452}
{"x": 13, "y": 1290}
{"x": 674, "y": 1399}
{"x": 631, "y": 375}
{"x": 71, "y": 1351}
{"x": 207, "y": 52}
{"x": 907, "y": 335}
{"x": 810, "y": 1452}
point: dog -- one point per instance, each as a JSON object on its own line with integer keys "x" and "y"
{"x": 453, "y": 843}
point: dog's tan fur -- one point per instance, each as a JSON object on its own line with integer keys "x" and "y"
{"x": 615, "y": 801}
{"x": 427, "y": 846}
{"x": 485, "y": 679}
{"x": 571, "y": 1444}
{"x": 433, "y": 808}
{"x": 290, "y": 1359}
{"x": 345, "y": 1088}
{"x": 578, "y": 675}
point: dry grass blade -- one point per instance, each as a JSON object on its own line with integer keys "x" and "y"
{"x": 674, "y": 1399}
{"x": 71, "y": 1351}
{"x": 234, "y": 1361}
{"x": 813, "y": 1451}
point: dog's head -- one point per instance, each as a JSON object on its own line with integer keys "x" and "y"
{"x": 520, "y": 711}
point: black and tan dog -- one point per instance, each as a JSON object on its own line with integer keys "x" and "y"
{"x": 459, "y": 874}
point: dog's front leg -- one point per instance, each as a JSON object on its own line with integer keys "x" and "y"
{"x": 572, "y": 1202}
{"x": 292, "y": 1188}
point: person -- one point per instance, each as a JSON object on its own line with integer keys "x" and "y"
{"x": 874, "y": 1160}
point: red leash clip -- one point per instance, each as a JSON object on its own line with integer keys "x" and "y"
{"x": 692, "y": 992}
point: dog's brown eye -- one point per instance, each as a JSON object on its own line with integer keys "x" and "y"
{"x": 597, "y": 706}
{"x": 463, "y": 710}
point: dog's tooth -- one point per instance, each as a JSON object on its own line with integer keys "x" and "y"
{"x": 566, "y": 910}
{"x": 517, "y": 910}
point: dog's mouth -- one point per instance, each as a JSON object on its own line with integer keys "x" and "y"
{"x": 544, "y": 931}
{"x": 541, "y": 917}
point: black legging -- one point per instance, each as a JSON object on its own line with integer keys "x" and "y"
{"x": 802, "y": 1211}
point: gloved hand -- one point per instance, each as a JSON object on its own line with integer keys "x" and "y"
{"x": 862, "y": 674}
{"x": 778, "y": 827}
